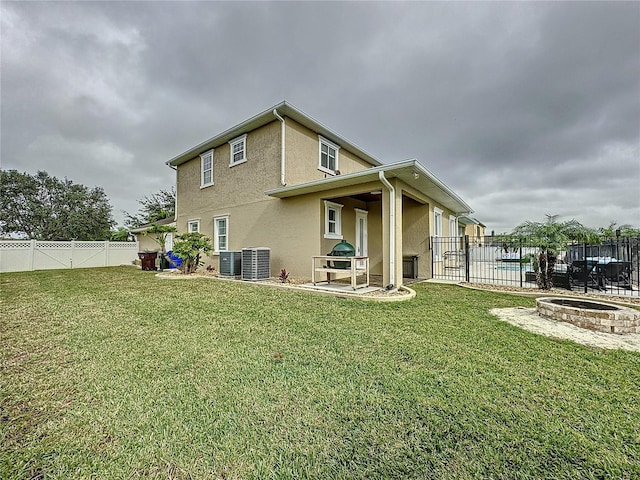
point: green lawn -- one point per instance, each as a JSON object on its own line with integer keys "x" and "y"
{"x": 113, "y": 373}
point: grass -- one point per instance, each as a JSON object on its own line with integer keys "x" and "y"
{"x": 113, "y": 373}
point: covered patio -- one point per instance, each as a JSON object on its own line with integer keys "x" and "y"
{"x": 385, "y": 212}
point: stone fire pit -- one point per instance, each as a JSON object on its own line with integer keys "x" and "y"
{"x": 593, "y": 315}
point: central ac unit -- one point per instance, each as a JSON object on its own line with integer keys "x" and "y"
{"x": 256, "y": 263}
{"x": 230, "y": 263}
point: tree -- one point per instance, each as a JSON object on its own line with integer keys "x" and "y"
{"x": 43, "y": 207}
{"x": 614, "y": 230}
{"x": 189, "y": 247}
{"x": 551, "y": 237}
{"x": 159, "y": 234}
{"x": 154, "y": 207}
{"x": 119, "y": 235}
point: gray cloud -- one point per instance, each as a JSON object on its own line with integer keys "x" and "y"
{"x": 522, "y": 108}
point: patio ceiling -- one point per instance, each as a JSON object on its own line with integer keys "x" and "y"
{"x": 410, "y": 172}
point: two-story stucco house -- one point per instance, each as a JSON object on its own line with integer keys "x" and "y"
{"x": 285, "y": 181}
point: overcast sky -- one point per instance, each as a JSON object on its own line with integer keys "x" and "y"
{"x": 523, "y": 109}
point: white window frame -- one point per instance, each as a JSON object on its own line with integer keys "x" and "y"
{"x": 362, "y": 240}
{"x": 453, "y": 233}
{"x": 203, "y": 159}
{"x": 237, "y": 141}
{"x": 168, "y": 242}
{"x": 191, "y": 224}
{"x": 437, "y": 233}
{"x": 329, "y": 144}
{"x": 337, "y": 221}
{"x": 216, "y": 233}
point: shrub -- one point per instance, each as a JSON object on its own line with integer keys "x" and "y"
{"x": 284, "y": 275}
{"x": 189, "y": 247}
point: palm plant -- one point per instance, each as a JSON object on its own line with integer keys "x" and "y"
{"x": 551, "y": 237}
{"x": 159, "y": 234}
{"x": 614, "y": 230}
{"x": 189, "y": 247}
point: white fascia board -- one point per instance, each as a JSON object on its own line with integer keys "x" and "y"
{"x": 354, "y": 178}
{"x": 229, "y": 134}
{"x": 460, "y": 207}
{"x": 149, "y": 225}
{"x": 284, "y": 109}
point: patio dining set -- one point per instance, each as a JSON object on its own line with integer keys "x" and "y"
{"x": 599, "y": 273}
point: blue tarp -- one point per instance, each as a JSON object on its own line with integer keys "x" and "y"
{"x": 174, "y": 260}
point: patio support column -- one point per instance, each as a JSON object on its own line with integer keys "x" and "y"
{"x": 386, "y": 230}
{"x": 386, "y": 236}
{"x": 399, "y": 232}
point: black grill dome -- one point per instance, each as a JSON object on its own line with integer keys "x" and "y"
{"x": 342, "y": 249}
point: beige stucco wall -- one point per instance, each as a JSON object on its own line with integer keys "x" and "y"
{"x": 147, "y": 244}
{"x": 472, "y": 231}
{"x": 294, "y": 227}
{"x": 232, "y": 186}
{"x": 246, "y": 183}
{"x": 374, "y": 220}
{"x": 415, "y": 234}
{"x": 348, "y": 222}
{"x": 303, "y": 156}
{"x": 288, "y": 227}
{"x": 446, "y": 215}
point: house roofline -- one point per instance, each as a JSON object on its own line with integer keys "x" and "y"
{"x": 410, "y": 171}
{"x": 285, "y": 109}
{"x": 161, "y": 222}
{"x": 472, "y": 220}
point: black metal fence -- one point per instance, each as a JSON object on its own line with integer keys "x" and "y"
{"x": 612, "y": 267}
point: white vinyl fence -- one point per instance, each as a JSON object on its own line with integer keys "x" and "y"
{"x": 25, "y": 255}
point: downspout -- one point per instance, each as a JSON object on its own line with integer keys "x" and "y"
{"x": 392, "y": 227}
{"x": 175, "y": 202}
{"x": 282, "y": 149}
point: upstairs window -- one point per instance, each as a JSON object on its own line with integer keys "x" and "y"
{"x": 328, "y": 162}
{"x": 238, "y": 150}
{"x": 332, "y": 220}
{"x": 206, "y": 169}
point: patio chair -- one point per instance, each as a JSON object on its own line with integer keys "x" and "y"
{"x": 583, "y": 272}
{"x": 618, "y": 273}
{"x": 453, "y": 259}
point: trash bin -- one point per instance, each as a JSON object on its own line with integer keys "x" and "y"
{"x": 148, "y": 260}
{"x": 410, "y": 266}
{"x": 173, "y": 260}
{"x": 164, "y": 262}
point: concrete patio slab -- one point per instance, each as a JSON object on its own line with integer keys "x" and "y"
{"x": 340, "y": 288}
